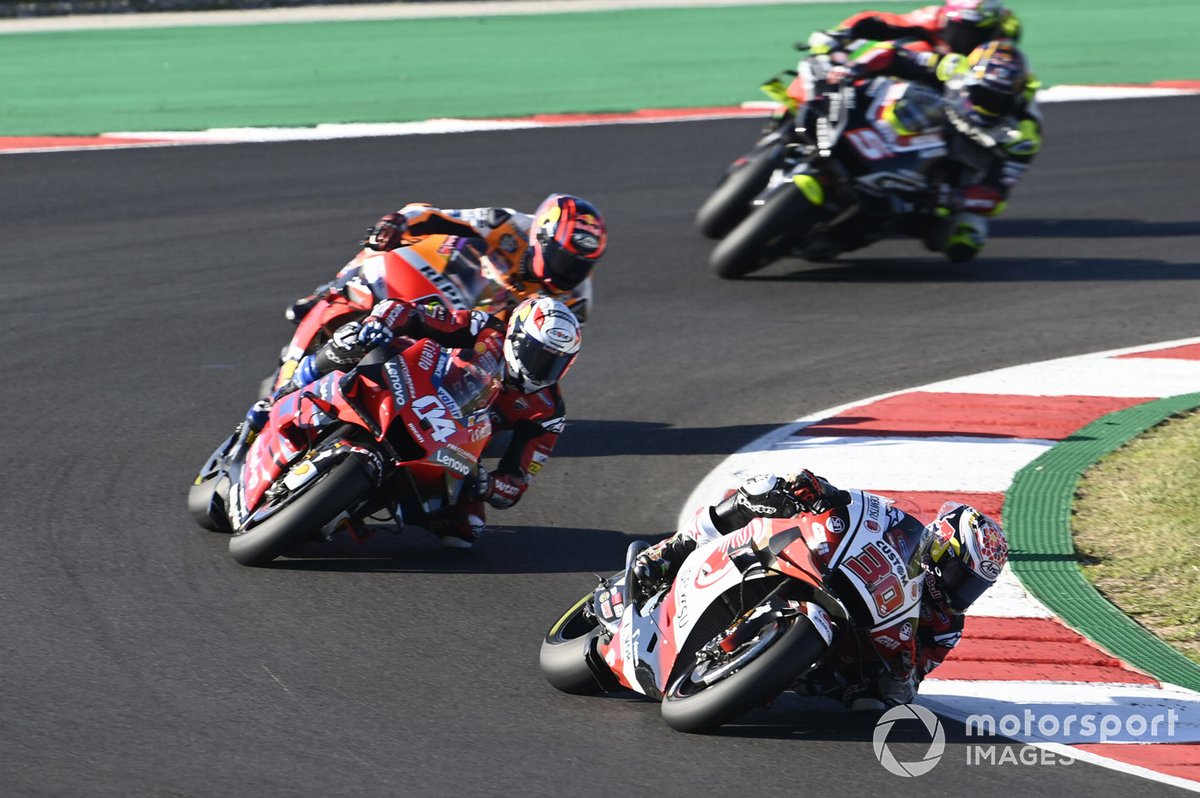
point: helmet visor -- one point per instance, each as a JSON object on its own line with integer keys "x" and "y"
{"x": 959, "y": 584}
{"x": 541, "y": 365}
{"x": 991, "y": 101}
{"x": 562, "y": 269}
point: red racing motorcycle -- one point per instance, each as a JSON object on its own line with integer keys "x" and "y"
{"x": 449, "y": 271}
{"x": 400, "y": 434}
{"x": 774, "y": 605}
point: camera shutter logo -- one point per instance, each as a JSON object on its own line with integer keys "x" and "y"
{"x": 936, "y": 746}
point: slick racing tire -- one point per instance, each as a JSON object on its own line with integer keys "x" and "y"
{"x": 569, "y": 650}
{"x": 759, "y": 672}
{"x": 343, "y": 486}
{"x": 729, "y": 204}
{"x": 764, "y": 236}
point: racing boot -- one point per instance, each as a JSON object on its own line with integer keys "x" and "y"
{"x": 460, "y": 526}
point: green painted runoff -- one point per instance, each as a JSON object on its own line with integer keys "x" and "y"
{"x": 192, "y": 78}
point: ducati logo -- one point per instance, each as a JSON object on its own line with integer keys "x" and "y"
{"x": 433, "y": 413}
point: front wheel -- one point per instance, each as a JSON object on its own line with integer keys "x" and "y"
{"x": 766, "y": 235}
{"x": 730, "y": 202}
{"x": 709, "y": 693}
{"x": 304, "y": 513}
{"x": 569, "y": 650}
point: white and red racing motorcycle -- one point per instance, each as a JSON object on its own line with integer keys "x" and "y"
{"x": 746, "y": 617}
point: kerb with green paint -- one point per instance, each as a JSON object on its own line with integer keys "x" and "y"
{"x": 1037, "y": 517}
{"x": 193, "y": 78}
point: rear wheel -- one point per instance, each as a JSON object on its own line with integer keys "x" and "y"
{"x": 766, "y": 235}
{"x": 304, "y": 513}
{"x": 712, "y": 692}
{"x": 730, "y": 202}
{"x": 569, "y": 649}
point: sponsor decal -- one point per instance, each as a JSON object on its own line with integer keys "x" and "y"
{"x": 394, "y": 380}
{"x": 434, "y": 413}
{"x": 820, "y": 619}
{"x": 481, "y": 432}
{"x": 836, "y": 525}
{"x": 416, "y": 433}
{"x": 428, "y": 353}
{"x": 873, "y": 526}
{"x": 681, "y": 609}
{"x": 452, "y": 461}
{"x": 441, "y": 282}
{"x": 446, "y": 398}
{"x": 887, "y": 642}
{"x": 506, "y": 489}
{"x": 508, "y": 243}
{"x": 906, "y": 631}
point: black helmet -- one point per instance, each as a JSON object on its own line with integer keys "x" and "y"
{"x": 995, "y": 81}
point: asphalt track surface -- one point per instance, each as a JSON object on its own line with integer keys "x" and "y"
{"x": 141, "y": 303}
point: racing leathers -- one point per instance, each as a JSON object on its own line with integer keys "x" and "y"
{"x": 535, "y": 420}
{"x": 865, "y": 535}
{"x": 503, "y": 234}
{"x": 999, "y": 148}
{"x": 930, "y": 23}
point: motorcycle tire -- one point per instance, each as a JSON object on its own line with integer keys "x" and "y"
{"x": 729, "y": 204}
{"x": 765, "y": 236}
{"x": 320, "y": 502}
{"x": 206, "y": 504}
{"x": 689, "y": 708}
{"x": 568, "y": 651}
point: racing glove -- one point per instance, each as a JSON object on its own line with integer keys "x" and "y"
{"x": 501, "y": 490}
{"x": 814, "y": 494}
{"x": 762, "y": 496}
{"x": 658, "y": 564}
{"x": 387, "y": 318}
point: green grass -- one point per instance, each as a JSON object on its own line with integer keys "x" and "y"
{"x": 1136, "y": 524}
{"x": 190, "y": 78}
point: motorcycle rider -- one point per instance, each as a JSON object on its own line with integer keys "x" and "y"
{"x": 957, "y": 26}
{"x": 551, "y": 251}
{"x": 961, "y": 553}
{"x": 990, "y": 100}
{"x": 537, "y": 346}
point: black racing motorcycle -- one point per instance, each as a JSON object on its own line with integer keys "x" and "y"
{"x": 855, "y": 163}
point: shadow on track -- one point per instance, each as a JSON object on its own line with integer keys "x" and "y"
{"x": 984, "y": 270}
{"x": 593, "y": 438}
{"x": 791, "y": 717}
{"x": 502, "y": 550}
{"x": 1091, "y": 228}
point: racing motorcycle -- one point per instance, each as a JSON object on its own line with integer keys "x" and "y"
{"x": 444, "y": 270}
{"x": 400, "y": 434}
{"x": 746, "y": 617}
{"x": 858, "y": 162}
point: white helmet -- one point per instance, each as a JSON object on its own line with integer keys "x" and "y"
{"x": 542, "y": 341}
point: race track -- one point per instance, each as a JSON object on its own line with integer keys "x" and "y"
{"x": 142, "y": 301}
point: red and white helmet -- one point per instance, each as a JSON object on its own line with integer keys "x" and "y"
{"x": 541, "y": 343}
{"x": 967, "y": 552}
{"x": 568, "y": 236}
